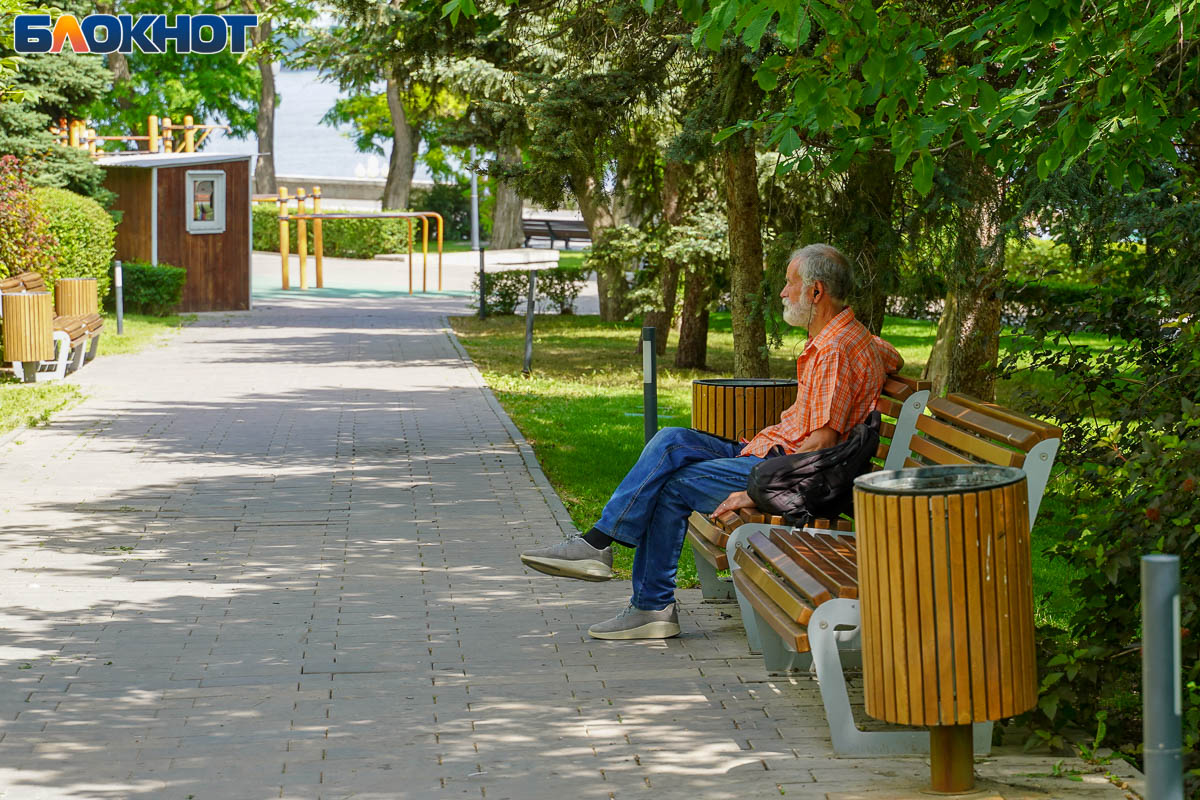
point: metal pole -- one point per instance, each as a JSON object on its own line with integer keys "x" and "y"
{"x": 1162, "y": 678}
{"x": 529, "y": 324}
{"x": 482, "y": 287}
{"x": 474, "y": 204}
{"x": 649, "y": 384}
{"x": 117, "y": 279}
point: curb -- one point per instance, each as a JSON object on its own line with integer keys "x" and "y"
{"x": 11, "y": 436}
{"x": 555, "y": 503}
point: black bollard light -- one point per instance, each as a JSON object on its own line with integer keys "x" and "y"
{"x": 1162, "y": 678}
{"x": 529, "y": 324}
{"x": 649, "y": 383}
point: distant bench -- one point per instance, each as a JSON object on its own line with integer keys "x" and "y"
{"x": 555, "y": 230}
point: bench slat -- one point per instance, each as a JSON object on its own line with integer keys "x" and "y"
{"x": 707, "y": 530}
{"x": 702, "y": 548}
{"x": 791, "y": 632}
{"x": 1044, "y": 430}
{"x": 797, "y": 610}
{"x": 799, "y": 580}
{"x": 935, "y": 452}
{"x": 983, "y": 424}
{"x": 836, "y": 549}
{"x": 970, "y": 443}
{"x": 815, "y": 564}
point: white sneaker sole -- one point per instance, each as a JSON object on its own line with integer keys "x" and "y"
{"x": 651, "y": 630}
{"x": 584, "y": 570}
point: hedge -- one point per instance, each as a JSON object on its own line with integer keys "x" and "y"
{"x": 151, "y": 289}
{"x": 342, "y": 238}
{"x": 85, "y": 234}
{"x": 26, "y": 243}
{"x": 556, "y": 288}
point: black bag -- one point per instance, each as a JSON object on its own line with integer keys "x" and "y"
{"x": 806, "y": 486}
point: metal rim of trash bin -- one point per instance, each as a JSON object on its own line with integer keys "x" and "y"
{"x": 939, "y": 480}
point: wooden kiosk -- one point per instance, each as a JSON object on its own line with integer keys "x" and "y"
{"x": 190, "y": 210}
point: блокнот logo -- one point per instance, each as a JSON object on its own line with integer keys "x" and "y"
{"x": 121, "y": 33}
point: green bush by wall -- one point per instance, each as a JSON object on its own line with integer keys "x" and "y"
{"x": 343, "y": 238}
{"x": 84, "y": 232}
{"x": 150, "y": 289}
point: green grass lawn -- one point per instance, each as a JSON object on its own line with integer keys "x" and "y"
{"x": 581, "y": 409}
{"x": 33, "y": 404}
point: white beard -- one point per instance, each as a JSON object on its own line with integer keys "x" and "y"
{"x": 798, "y": 315}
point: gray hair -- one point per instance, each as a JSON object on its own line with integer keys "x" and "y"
{"x": 825, "y": 263}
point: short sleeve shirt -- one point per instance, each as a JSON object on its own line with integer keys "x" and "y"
{"x": 839, "y": 377}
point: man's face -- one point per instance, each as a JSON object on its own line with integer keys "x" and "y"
{"x": 797, "y": 303}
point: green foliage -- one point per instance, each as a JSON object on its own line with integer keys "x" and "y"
{"x": 558, "y": 288}
{"x": 453, "y": 202}
{"x": 151, "y": 289}
{"x": 54, "y": 85}
{"x": 85, "y": 234}
{"x": 26, "y": 241}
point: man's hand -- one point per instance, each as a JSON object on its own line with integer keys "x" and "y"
{"x": 733, "y": 503}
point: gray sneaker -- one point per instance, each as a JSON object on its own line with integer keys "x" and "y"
{"x": 633, "y": 623}
{"x": 573, "y": 558}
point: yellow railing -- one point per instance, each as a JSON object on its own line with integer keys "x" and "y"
{"x": 160, "y": 135}
{"x": 302, "y": 217}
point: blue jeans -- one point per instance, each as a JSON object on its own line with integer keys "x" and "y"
{"x": 679, "y": 470}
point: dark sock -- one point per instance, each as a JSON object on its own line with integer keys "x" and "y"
{"x": 598, "y": 539}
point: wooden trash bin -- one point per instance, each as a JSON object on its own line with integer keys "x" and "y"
{"x": 76, "y": 297}
{"x": 738, "y": 408}
{"x": 28, "y": 330}
{"x": 946, "y": 591}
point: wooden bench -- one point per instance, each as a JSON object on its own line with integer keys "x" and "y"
{"x": 76, "y": 336}
{"x": 901, "y": 403}
{"x": 798, "y": 588}
{"x": 555, "y": 229}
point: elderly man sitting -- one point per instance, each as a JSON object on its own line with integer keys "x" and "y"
{"x": 840, "y": 375}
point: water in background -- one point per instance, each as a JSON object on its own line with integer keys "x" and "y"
{"x": 305, "y": 146}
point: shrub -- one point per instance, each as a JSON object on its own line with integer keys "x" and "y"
{"x": 26, "y": 241}
{"x": 561, "y": 287}
{"x": 85, "y": 234}
{"x": 556, "y": 287}
{"x": 152, "y": 289}
{"x": 453, "y": 202}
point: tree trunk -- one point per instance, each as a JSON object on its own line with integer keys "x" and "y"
{"x": 968, "y": 337}
{"x": 506, "y": 217}
{"x": 746, "y": 260}
{"x": 404, "y": 151}
{"x": 693, "y": 323}
{"x": 868, "y": 238}
{"x": 611, "y": 286}
{"x": 264, "y": 166}
{"x": 664, "y": 318}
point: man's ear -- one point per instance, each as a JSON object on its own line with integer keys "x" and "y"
{"x": 818, "y": 288}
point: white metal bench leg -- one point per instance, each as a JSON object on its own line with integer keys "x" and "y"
{"x": 749, "y": 618}
{"x": 712, "y": 587}
{"x": 848, "y": 739}
{"x": 76, "y": 360}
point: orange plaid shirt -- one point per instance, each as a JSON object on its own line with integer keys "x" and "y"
{"x": 839, "y": 377}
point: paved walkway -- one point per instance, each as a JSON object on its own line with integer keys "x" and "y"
{"x": 278, "y": 558}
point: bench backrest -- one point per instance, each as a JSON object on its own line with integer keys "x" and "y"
{"x": 21, "y": 283}
{"x": 901, "y": 404}
{"x": 960, "y": 429}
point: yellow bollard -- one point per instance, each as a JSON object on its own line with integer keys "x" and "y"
{"x": 302, "y": 239}
{"x": 424, "y": 253}
{"x": 283, "y": 234}
{"x": 410, "y": 254}
{"x": 318, "y": 244}
{"x": 152, "y": 133}
{"x": 91, "y": 141}
{"x": 168, "y": 136}
{"x": 189, "y": 135}
{"x": 73, "y": 134}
